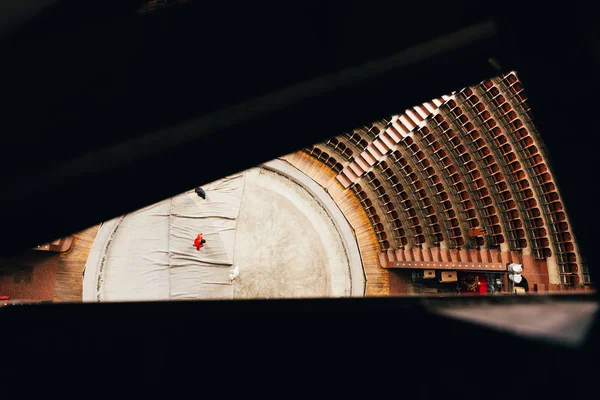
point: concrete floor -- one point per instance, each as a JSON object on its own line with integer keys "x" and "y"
{"x": 286, "y": 244}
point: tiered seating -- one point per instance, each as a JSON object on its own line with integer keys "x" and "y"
{"x": 357, "y": 140}
{"x": 425, "y": 210}
{"x": 452, "y": 177}
{"x": 468, "y": 164}
{"x": 395, "y": 189}
{"x": 371, "y": 130}
{"x": 373, "y": 215}
{"x": 409, "y": 196}
{"x": 513, "y": 90}
{"x": 366, "y": 155}
{"x": 465, "y": 176}
{"x": 406, "y": 214}
{"x": 382, "y": 137}
{"x": 441, "y": 212}
{"x": 354, "y": 142}
{"x": 325, "y": 158}
{"x": 387, "y": 207}
{"x": 512, "y": 168}
{"x": 376, "y": 151}
{"x": 339, "y": 147}
{"x": 516, "y": 114}
{"x": 495, "y": 167}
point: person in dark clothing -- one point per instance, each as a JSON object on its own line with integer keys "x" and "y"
{"x": 524, "y": 284}
{"x": 200, "y": 192}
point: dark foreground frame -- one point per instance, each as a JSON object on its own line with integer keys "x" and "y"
{"x": 386, "y": 346}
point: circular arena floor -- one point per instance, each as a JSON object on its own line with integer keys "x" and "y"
{"x": 286, "y": 244}
{"x": 281, "y": 230}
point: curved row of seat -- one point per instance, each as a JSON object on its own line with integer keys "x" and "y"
{"x": 325, "y": 158}
{"x": 512, "y": 170}
{"x": 452, "y": 182}
{"x": 374, "y": 213}
{"x": 406, "y": 200}
{"x": 373, "y": 198}
{"x": 440, "y": 210}
{"x": 508, "y": 93}
{"x": 340, "y": 148}
{"x": 357, "y": 140}
{"x": 466, "y": 172}
{"x": 462, "y": 176}
{"x": 403, "y": 216}
{"x": 387, "y": 134}
{"x": 494, "y": 189}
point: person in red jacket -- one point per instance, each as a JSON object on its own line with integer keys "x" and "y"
{"x": 199, "y": 242}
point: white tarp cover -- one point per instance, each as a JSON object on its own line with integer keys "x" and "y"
{"x": 157, "y": 260}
